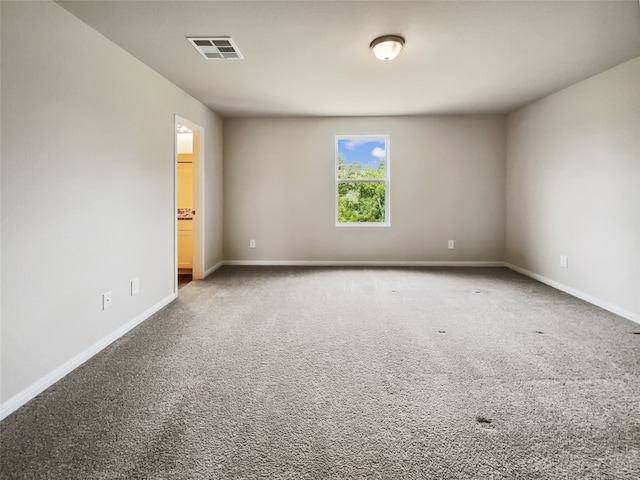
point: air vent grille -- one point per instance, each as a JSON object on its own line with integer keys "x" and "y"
{"x": 216, "y": 48}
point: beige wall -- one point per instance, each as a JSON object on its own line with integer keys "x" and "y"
{"x": 211, "y": 191}
{"x": 573, "y": 188}
{"x": 87, "y": 191}
{"x": 447, "y": 182}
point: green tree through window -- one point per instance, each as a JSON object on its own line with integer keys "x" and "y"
{"x": 362, "y": 180}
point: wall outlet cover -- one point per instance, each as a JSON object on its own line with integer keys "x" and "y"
{"x": 107, "y": 300}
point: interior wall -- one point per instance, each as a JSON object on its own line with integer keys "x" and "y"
{"x": 211, "y": 191}
{"x": 573, "y": 188}
{"x": 447, "y": 182}
{"x": 87, "y": 191}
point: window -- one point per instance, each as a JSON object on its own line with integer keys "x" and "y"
{"x": 362, "y": 180}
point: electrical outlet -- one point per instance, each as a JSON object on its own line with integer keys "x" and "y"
{"x": 563, "y": 261}
{"x": 451, "y": 244}
{"x": 107, "y": 300}
{"x": 135, "y": 286}
{"x": 252, "y": 243}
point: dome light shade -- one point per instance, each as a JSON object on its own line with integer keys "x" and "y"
{"x": 387, "y": 47}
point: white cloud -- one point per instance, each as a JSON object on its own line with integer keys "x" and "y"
{"x": 379, "y": 152}
{"x": 352, "y": 144}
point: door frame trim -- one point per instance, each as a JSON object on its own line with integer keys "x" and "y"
{"x": 198, "y": 198}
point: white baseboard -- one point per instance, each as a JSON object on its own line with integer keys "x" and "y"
{"x": 634, "y": 317}
{"x": 363, "y": 263}
{"x": 210, "y": 270}
{"x": 45, "y": 382}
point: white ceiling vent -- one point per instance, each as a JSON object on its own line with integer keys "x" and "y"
{"x": 216, "y": 48}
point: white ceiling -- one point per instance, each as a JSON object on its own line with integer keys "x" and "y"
{"x": 313, "y": 57}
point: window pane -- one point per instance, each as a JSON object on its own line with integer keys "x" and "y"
{"x": 361, "y": 202}
{"x": 362, "y": 157}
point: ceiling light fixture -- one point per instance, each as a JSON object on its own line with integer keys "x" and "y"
{"x": 387, "y": 47}
{"x": 185, "y": 139}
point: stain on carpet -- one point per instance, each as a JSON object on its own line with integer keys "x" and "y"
{"x": 483, "y": 420}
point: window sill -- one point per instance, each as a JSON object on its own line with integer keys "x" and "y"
{"x": 386, "y": 224}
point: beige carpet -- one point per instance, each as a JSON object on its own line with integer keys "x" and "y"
{"x": 344, "y": 373}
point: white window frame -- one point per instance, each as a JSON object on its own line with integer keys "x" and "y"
{"x": 386, "y": 181}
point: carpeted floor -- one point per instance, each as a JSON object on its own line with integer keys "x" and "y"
{"x": 344, "y": 373}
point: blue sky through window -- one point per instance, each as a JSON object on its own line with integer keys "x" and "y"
{"x": 368, "y": 151}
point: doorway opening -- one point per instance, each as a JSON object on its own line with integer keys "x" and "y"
{"x": 188, "y": 200}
